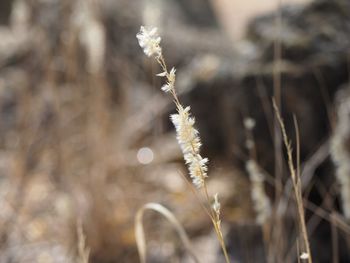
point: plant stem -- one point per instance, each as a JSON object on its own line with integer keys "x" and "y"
{"x": 213, "y": 216}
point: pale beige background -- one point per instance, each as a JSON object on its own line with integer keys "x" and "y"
{"x": 235, "y": 14}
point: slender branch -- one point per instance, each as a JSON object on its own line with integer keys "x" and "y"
{"x": 296, "y": 182}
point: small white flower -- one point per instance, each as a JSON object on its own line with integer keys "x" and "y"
{"x": 166, "y": 88}
{"x": 304, "y": 256}
{"x": 162, "y": 74}
{"x": 216, "y": 205}
{"x": 249, "y": 123}
{"x": 172, "y": 75}
{"x": 171, "y": 80}
{"x": 149, "y": 41}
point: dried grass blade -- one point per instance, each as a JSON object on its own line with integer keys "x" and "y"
{"x": 140, "y": 233}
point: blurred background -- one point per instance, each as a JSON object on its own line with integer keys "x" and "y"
{"x": 85, "y": 136}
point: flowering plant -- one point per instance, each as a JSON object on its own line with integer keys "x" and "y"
{"x": 187, "y": 136}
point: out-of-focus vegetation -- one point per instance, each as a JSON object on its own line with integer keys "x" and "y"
{"x": 86, "y": 141}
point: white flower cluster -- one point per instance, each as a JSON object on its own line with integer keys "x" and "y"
{"x": 188, "y": 138}
{"x": 187, "y": 135}
{"x": 149, "y": 41}
{"x": 261, "y": 201}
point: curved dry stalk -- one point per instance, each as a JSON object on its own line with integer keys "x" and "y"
{"x": 140, "y": 233}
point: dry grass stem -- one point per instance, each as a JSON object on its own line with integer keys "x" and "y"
{"x": 296, "y": 184}
{"x": 140, "y": 233}
{"x": 187, "y": 136}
